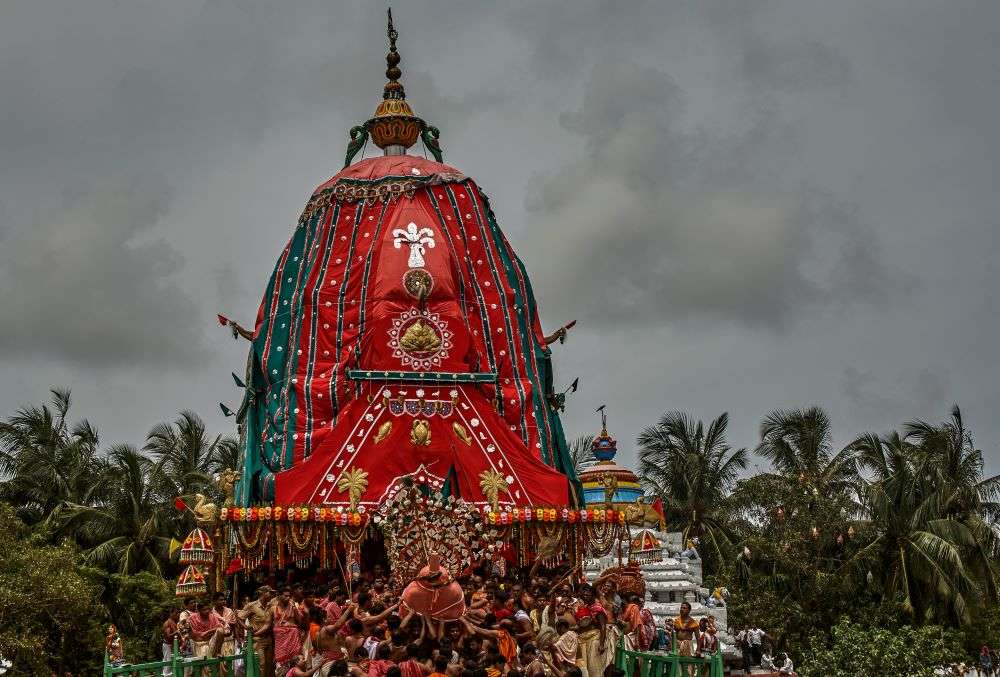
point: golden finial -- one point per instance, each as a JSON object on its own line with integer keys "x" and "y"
{"x": 393, "y": 88}
{"x": 394, "y": 127}
{"x": 354, "y": 481}
{"x": 492, "y": 483}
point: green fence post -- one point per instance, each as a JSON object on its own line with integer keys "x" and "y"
{"x": 250, "y": 666}
{"x": 107, "y": 665}
{"x": 717, "y": 665}
{"x": 176, "y": 666}
{"x": 644, "y": 666}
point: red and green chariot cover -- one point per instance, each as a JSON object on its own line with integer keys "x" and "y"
{"x": 398, "y": 336}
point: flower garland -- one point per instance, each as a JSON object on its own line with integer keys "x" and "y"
{"x": 301, "y": 533}
{"x": 342, "y": 517}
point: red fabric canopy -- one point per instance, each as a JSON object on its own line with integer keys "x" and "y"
{"x": 380, "y": 442}
{"x": 398, "y": 279}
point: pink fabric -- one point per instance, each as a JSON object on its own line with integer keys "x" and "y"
{"x": 333, "y": 612}
{"x": 379, "y": 668}
{"x": 202, "y": 628}
{"x": 287, "y": 636}
{"x": 411, "y": 668}
{"x": 441, "y": 599}
{"x": 647, "y": 630}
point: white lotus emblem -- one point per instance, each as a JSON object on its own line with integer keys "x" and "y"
{"x": 416, "y": 239}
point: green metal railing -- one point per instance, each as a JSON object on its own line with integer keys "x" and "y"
{"x": 669, "y": 664}
{"x": 180, "y": 666}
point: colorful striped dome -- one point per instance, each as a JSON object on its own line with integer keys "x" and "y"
{"x": 594, "y": 479}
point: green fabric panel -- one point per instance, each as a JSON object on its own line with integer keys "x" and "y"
{"x": 262, "y": 456}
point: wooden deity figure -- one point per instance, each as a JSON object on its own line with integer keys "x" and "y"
{"x": 610, "y": 484}
{"x": 227, "y": 483}
{"x": 435, "y": 594}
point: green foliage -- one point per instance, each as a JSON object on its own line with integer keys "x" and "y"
{"x": 50, "y": 611}
{"x": 894, "y": 531}
{"x": 47, "y": 460}
{"x": 788, "y": 578}
{"x": 928, "y": 516}
{"x": 87, "y": 543}
{"x": 138, "y": 604}
{"x": 855, "y": 649}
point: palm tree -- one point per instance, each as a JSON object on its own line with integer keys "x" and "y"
{"x": 581, "y": 453}
{"x": 799, "y": 444}
{"x": 188, "y": 456}
{"x": 916, "y": 552}
{"x": 958, "y": 467}
{"x": 129, "y": 529}
{"x": 928, "y": 513}
{"x": 692, "y": 468}
{"x": 47, "y": 462}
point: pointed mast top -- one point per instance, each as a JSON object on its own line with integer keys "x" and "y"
{"x": 393, "y": 88}
{"x": 394, "y": 127}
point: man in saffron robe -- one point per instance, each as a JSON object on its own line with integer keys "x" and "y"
{"x": 503, "y": 635}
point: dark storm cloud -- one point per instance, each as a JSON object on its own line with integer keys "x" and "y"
{"x": 748, "y": 205}
{"x": 83, "y": 285}
{"x": 921, "y": 395}
{"x": 677, "y": 223}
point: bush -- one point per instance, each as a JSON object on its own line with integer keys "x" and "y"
{"x": 50, "y": 611}
{"x": 138, "y": 605}
{"x": 855, "y": 649}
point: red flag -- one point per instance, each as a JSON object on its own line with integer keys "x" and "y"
{"x": 180, "y": 504}
{"x": 223, "y": 320}
{"x": 235, "y": 566}
{"x": 658, "y": 508}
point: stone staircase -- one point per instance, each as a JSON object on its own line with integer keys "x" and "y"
{"x": 668, "y": 583}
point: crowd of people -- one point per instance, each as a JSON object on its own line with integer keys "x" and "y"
{"x": 525, "y": 625}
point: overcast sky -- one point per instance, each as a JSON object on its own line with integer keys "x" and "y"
{"x": 746, "y": 205}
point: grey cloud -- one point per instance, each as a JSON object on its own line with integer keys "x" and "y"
{"x": 677, "y": 224}
{"x": 736, "y": 199}
{"x": 807, "y": 64}
{"x": 84, "y": 283}
{"x": 883, "y": 403}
